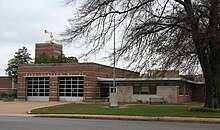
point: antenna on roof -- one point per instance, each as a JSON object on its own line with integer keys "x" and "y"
{"x": 51, "y": 36}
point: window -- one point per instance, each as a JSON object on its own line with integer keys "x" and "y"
{"x": 180, "y": 90}
{"x": 145, "y": 89}
{"x": 153, "y": 90}
{"x": 136, "y": 89}
{"x": 187, "y": 90}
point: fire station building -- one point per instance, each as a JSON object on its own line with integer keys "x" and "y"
{"x": 92, "y": 81}
{"x": 63, "y": 82}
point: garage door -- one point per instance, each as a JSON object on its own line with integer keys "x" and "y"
{"x": 71, "y": 88}
{"x": 38, "y": 88}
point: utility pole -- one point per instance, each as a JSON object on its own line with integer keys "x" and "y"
{"x": 113, "y": 94}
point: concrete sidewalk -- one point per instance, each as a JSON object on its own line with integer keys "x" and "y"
{"x": 22, "y": 107}
{"x": 133, "y": 118}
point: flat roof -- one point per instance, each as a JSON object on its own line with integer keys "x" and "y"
{"x": 72, "y": 64}
{"x": 148, "y": 79}
{"x": 4, "y": 76}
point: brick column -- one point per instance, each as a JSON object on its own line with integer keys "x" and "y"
{"x": 91, "y": 91}
{"x": 54, "y": 89}
{"x": 21, "y": 91}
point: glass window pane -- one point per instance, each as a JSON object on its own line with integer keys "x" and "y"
{"x": 41, "y": 94}
{"x": 136, "y": 90}
{"x": 41, "y": 86}
{"x": 29, "y": 90}
{"x": 47, "y": 82}
{"x": 68, "y": 82}
{"x": 74, "y": 82}
{"x": 74, "y": 86}
{"x": 80, "y": 90}
{"x": 181, "y": 90}
{"x": 80, "y": 86}
{"x": 29, "y": 94}
{"x": 153, "y": 90}
{"x": 61, "y": 94}
{"x": 80, "y": 78}
{"x": 145, "y": 90}
{"x": 68, "y": 94}
{"x": 35, "y": 86}
{"x": 35, "y": 94}
{"x": 35, "y": 90}
{"x": 68, "y": 86}
{"x": 74, "y": 94}
{"x": 68, "y": 78}
{"x": 62, "y": 82}
{"x": 80, "y": 94}
{"x": 80, "y": 82}
{"x": 68, "y": 90}
{"x": 62, "y": 86}
{"x": 187, "y": 90}
{"x": 61, "y": 90}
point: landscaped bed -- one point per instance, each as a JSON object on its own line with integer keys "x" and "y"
{"x": 129, "y": 110}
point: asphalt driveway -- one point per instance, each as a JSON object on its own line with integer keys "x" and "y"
{"x": 22, "y": 107}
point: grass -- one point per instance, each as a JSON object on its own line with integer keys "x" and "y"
{"x": 129, "y": 110}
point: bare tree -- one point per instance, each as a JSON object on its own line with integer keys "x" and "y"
{"x": 179, "y": 34}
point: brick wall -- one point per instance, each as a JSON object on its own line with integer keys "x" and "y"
{"x": 161, "y": 73}
{"x": 90, "y": 70}
{"x": 185, "y": 97}
{"x": 5, "y": 84}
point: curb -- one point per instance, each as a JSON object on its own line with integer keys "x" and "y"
{"x": 133, "y": 118}
{"x": 29, "y": 111}
{"x": 19, "y": 115}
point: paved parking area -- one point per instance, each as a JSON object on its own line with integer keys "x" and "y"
{"x": 22, "y": 107}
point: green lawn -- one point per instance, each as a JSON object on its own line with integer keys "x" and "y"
{"x": 130, "y": 110}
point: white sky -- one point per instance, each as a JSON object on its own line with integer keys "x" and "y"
{"x": 23, "y": 23}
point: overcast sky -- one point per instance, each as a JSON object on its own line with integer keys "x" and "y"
{"x": 23, "y": 23}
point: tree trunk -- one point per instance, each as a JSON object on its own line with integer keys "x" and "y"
{"x": 216, "y": 84}
{"x": 210, "y": 63}
{"x": 212, "y": 80}
{"x": 211, "y": 70}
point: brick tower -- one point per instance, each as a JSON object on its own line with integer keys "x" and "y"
{"x": 53, "y": 50}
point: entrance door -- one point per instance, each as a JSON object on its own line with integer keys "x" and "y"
{"x": 71, "y": 88}
{"x": 104, "y": 89}
{"x": 38, "y": 88}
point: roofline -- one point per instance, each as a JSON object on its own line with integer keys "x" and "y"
{"x": 70, "y": 64}
{"x": 193, "y": 82}
{"x": 47, "y": 42}
{"x": 4, "y": 76}
{"x": 147, "y": 79}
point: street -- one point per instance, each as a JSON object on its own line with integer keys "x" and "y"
{"x": 34, "y": 123}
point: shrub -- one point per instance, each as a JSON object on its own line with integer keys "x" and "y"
{"x": 3, "y": 95}
{"x": 9, "y": 95}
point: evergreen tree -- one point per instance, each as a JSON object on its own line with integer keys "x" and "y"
{"x": 21, "y": 57}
